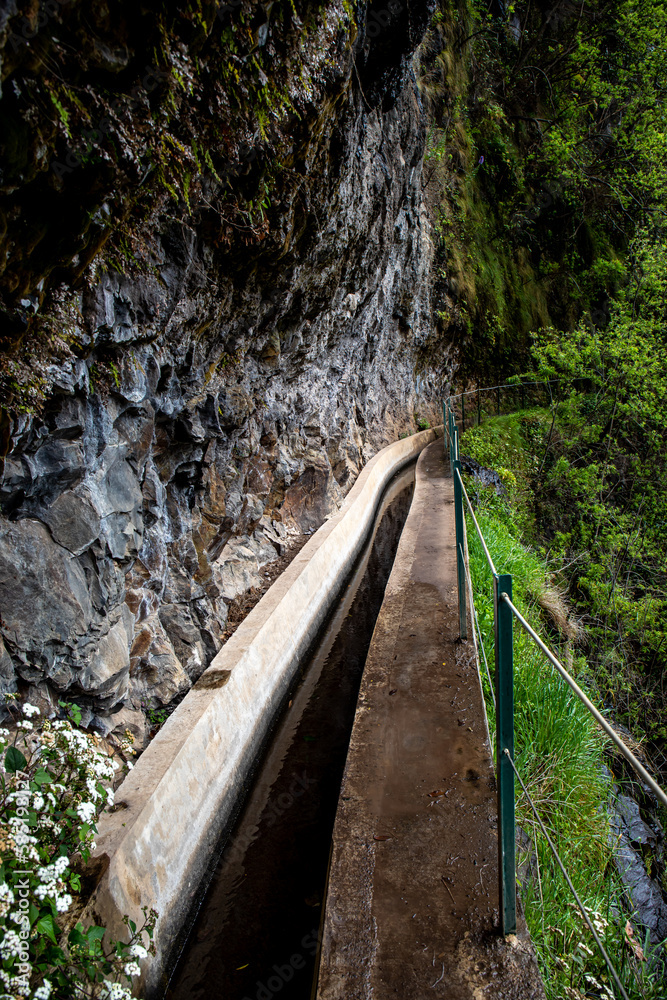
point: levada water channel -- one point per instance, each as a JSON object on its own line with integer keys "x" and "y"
{"x": 256, "y": 933}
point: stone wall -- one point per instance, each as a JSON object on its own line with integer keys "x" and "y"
{"x": 217, "y": 400}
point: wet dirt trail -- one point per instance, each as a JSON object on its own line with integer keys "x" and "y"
{"x": 412, "y": 904}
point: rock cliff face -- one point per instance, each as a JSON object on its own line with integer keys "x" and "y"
{"x": 220, "y": 395}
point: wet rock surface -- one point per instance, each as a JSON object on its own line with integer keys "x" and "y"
{"x": 481, "y": 475}
{"x": 636, "y": 842}
{"x": 219, "y": 401}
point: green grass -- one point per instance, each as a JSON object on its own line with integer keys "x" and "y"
{"x": 558, "y": 751}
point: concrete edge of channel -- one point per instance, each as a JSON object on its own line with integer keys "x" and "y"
{"x": 155, "y": 847}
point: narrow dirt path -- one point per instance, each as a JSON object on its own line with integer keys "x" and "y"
{"x": 412, "y": 906}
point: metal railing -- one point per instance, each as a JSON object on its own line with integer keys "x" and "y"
{"x": 504, "y": 612}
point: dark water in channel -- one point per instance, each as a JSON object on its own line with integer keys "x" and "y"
{"x": 256, "y": 934}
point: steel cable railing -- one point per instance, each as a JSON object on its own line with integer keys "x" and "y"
{"x": 474, "y": 521}
{"x": 479, "y": 634}
{"x": 503, "y": 695}
{"x": 599, "y": 718}
{"x": 584, "y": 911}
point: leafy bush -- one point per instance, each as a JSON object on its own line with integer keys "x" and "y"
{"x": 55, "y": 781}
{"x": 559, "y": 752}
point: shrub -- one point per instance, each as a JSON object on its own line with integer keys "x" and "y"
{"x": 55, "y": 781}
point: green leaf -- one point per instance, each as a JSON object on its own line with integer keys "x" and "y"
{"x": 42, "y": 777}
{"x": 76, "y": 937}
{"x": 46, "y": 925}
{"x": 14, "y": 760}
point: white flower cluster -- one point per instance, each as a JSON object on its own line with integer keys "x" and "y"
{"x": 114, "y": 991}
{"x": 10, "y": 946}
{"x": 86, "y": 811}
{"x": 48, "y": 813}
{"x": 81, "y": 748}
{"x": 6, "y": 898}
{"x": 51, "y": 884}
{"x": 15, "y": 986}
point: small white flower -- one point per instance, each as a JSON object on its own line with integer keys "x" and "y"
{"x": 86, "y": 811}
{"x": 60, "y": 864}
{"x": 6, "y": 898}
{"x": 44, "y": 991}
{"x": 63, "y": 902}
{"x": 24, "y": 724}
{"x": 114, "y": 991}
{"x": 131, "y": 969}
{"x": 10, "y": 945}
{"x": 29, "y": 709}
{"x": 138, "y": 951}
{"x": 6, "y": 892}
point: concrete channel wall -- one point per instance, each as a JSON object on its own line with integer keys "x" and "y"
{"x": 185, "y": 790}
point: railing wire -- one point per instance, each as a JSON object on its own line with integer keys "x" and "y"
{"x": 479, "y": 530}
{"x": 599, "y": 718}
{"x": 479, "y": 633}
{"x": 581, "y": 906}
{"x": 506, "y": 385}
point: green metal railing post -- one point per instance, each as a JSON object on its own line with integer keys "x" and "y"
{"x": 502, "y": 584}
{"x": 460, "y": 556}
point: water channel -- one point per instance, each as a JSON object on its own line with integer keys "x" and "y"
{"x": 256, "y": 933}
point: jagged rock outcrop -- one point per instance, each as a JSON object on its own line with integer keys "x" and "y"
{"x": 223, "y": 395}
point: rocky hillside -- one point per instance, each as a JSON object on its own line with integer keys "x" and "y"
{"x": 214, "y": 285}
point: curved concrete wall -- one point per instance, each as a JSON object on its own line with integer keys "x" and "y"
{"x": 154, "y": 848}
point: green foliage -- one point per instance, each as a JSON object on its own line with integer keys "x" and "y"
{"x": 559, "y": 754}
{"x": 157, "y": 717}
{"x": 601, "y": 502}
{"x": 55, "y": 781}
{"x": 547, "y": 150}
{"x": 588, "y": 483}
